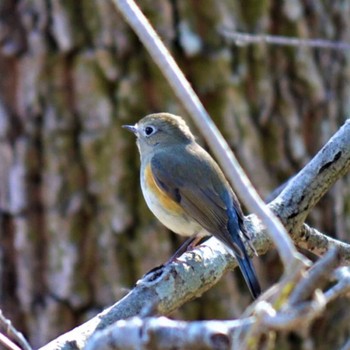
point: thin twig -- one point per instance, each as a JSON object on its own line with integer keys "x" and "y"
{"x": 132, "y": 14}
{"x": 8, "y": 343}
{"x": 241, "y": 39}
{"x": 346, "y": 346}
{"x": 291, "y": 318}
{"x": 315, "y": 278}
{"x": 343, "y": 285}
{"x": 14, "y": 333}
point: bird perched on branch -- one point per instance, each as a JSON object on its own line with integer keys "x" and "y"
{"x": 187, "y": 191}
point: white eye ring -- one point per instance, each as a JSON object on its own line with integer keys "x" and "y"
{"x": 149, "y": 130}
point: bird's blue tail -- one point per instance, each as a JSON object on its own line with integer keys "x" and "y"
{"x": 235, "y": 226}
{"x": 249, "y": 275}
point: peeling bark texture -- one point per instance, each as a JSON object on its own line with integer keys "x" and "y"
{"x": 75, "y": 233}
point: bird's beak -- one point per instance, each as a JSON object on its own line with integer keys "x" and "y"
{"x": 131, "y": 128}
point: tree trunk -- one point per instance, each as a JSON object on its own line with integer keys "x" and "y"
{"x": 71, "y": 211}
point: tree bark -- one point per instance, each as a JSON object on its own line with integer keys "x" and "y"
{"x": 71, "y": 210}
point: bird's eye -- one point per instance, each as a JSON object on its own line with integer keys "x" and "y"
{"x": 149, "y": 130}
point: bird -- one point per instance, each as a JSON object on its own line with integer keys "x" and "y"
{"x": 187, "y": 191}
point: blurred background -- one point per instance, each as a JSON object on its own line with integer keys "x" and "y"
{"x": 75, "y": 232}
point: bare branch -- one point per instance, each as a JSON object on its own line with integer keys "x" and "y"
{"x": 13, "y": 332}
{"x": 241, "y": 39}
{"x": 342, "y": 275}
{"x": 276, "y": 312}
{"x": 162, "y": 333}
{"x": 293, "y": 318}
{"x": 305, "y": 189}
{"x": 346, "y": 346}
{"x": 159, "y": 292}
{"x": 316, "y": 277}
{"x": 132, "y": 14}
{"x": 8, "y": 343}
{"x": 318, "y": 243}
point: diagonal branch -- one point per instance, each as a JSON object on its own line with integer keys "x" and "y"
{"x": 318, "y": 243}
{"x": 305, "y": 304}
{"x": 13, "y": 333}
{"x": 247, "y": 39}
{"x": 163, "y": 333}
{"x": 305, "y": 189}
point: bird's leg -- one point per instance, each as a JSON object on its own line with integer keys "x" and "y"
{"x": 186, "y": 246}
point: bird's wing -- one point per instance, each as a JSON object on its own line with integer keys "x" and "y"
{"x": 199, "y": 191}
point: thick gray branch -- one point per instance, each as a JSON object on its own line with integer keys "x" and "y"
{"x": 162, "y": 333}
{"x": 306, "y": 188}
{"x": 318, "y": 243}
{"x": 165, "y": 334}
{"x": 159, "y": 292}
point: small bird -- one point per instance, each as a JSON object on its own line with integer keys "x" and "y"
{"x": 187, "y": 191}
